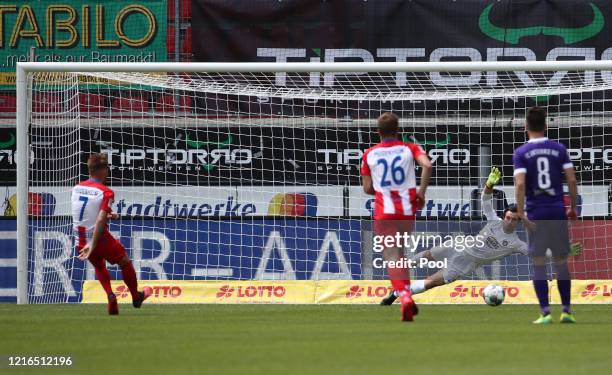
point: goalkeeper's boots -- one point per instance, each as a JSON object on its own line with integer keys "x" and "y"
{"x": 388, "y": 300}
{"x": 146, "y": 293}
{"x": 409, "y": 308}
{"x": 567, "y": 318}
{"x": 113, "y": 308}
{"x": 543, "y": 319}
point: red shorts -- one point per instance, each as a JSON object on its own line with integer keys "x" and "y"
{"x": 390, "y": 224}
{"x": 108, "y": 249}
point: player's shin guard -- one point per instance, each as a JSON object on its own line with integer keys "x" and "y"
{"x": 129, "y": 278}
{"x": 103, "y": 277}
{"x": 564, "y": 285}
{"x": 540, "y": 284}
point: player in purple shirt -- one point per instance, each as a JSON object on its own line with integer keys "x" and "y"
{"x": 539, "y": 166}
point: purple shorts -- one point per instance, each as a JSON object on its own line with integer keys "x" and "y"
{"x": 551, "y": 232}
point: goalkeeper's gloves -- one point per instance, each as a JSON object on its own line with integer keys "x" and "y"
{"x": 494, "y": 177}
{"x": 575, "y": 249}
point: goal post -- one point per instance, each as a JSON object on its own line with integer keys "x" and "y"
{"x": 250, "y": 171}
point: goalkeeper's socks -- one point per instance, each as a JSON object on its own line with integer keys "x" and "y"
{"x": 129, "y": 277}
{"x": 417, "y": 286}
{"x": 104, "y": 278}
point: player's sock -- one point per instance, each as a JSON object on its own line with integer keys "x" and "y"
{"x": 129, "y": 278}
{"x": 104, "y": 278}
{"x": 417, "y": 286}
{"x": 564, "y": 285}
{"x": 399, "y": 279}
{"x": 540, "y": 284}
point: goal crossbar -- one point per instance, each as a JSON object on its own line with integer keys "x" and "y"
{"x": 332, "y": 67}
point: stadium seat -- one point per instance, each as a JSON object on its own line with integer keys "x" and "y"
{"x": 185, "y": 9}
{"x": 135, "y": 104}
{"x": 186, "y": 45}
{"x": 170, "y": 41}
{"x": 165, "y": 103}
{"x": 91, "y": 103}
{"x": 8, "y": 103}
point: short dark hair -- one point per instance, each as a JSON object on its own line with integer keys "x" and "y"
{"x": 512, "y": 208}
{"x": 536, "y": 119}
{"x": 388, "y": 124}
{"x": 97, "y": 162}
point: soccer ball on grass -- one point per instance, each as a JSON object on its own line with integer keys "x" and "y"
{"x": 493, "y": 295}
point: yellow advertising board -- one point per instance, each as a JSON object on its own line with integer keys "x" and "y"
{"x": 337, "y": 292}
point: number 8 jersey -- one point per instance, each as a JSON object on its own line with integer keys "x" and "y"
{"x": 88, "y": 199}
{"x": 543, "y": 161}
{"x": 391, "y": 164}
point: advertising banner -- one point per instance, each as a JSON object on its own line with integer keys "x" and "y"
{"x": 285, "y": 155}
{"x": 78, "y": 31}
{"x": 340, "y": 292}
{"x": 419, "y": 30}
{"x": 457, "y": 202}
{"x": 268, "y": 251}
{"x": 442, "y": 202}
{"x": 192, "y": 201}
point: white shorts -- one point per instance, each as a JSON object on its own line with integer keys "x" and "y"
{"x": 459, "y": 263}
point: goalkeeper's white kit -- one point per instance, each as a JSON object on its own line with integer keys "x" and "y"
{"x": 496, "y": 244}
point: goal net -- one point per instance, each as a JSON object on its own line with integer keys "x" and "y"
{"x": 252, "y": 173}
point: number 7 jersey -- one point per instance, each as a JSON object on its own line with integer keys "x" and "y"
{"x": 88, "y": 199}
{"x": 391, "y": 164}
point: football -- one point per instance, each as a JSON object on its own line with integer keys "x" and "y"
{"x": 493, "y": 295}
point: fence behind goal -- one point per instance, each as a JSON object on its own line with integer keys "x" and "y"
{"x": 251, "y": 171}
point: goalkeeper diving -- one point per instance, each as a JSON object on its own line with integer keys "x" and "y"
{"x": 499, "y": 239}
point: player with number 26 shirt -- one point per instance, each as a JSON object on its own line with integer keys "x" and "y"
{"x": 388, "y": 173}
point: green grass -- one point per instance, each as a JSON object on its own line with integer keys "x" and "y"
{"x": 266, "y": 339}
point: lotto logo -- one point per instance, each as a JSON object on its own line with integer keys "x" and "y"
{"x": 269, "y": 291}
{"x": 158, "y": 291}
{"x": 122, "y": 291}
{"x": 592, "y": 290}
{"x": 474, "y": 291}
{"x": 225, "y": 291}
{"x": 459, "y": 291}
{"x": 357, "y": 291}
{"x": 293, "y": 204}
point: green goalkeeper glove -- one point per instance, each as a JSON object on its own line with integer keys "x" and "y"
{"x": 575, "y": 249}
{"x": 494, "y": 177}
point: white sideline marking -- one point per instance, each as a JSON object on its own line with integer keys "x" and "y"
{"x": 8, "y": 292}
{"x": 8, "y": 235}
{"x": 218, "y": 272}
{"x": 8, "y": 262}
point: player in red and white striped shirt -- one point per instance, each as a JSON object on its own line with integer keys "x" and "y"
{"x": 91, "y": 209}
{"x": 388, "y": 173}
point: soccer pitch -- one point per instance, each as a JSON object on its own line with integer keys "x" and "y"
{"x": 267, "y": 339}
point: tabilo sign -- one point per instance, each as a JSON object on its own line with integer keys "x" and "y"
{"x": 75, "y": 31}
